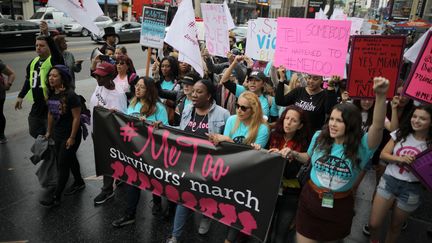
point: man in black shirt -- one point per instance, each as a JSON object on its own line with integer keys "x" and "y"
{"x": 35, "y": 86}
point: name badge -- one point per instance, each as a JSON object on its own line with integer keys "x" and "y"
{"x": 327, "y": 200}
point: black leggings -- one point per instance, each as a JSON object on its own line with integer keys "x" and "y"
{"x": 2, "y": 118}
{"x": 67, "y": 161}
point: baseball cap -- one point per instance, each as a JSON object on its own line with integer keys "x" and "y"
{"x": 190, "y": 78}
{"x": 258, "y": 76}
{"x": 104, "y": 69}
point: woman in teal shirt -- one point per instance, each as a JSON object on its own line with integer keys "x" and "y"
{"x": 145, "y": 105}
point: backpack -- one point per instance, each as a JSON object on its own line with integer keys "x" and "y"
{"x": 85, "y": 117}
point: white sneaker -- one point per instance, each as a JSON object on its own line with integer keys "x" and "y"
{"x": 204, "y": 225}
{"x": 3, "y": 140}
{"x": 172, "y": 240}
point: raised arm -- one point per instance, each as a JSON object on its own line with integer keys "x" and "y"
{"x": 380, "y": 87}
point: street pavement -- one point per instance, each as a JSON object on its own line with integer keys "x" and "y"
{"x": 23, "y": 219}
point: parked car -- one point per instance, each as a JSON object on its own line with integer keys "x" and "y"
{"x": 54, "y": 18}
{"x": 76, "y": 28}
{"x": 17, "y": 34}
{"x": 126, "y": 31}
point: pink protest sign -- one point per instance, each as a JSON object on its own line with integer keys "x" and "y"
{"x": 419, "y": 84}
{"x": 313, "y": 46}
{"x": 422, "y": 168}
{"x": 216, "y": 29}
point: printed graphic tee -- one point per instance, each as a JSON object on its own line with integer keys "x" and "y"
{"x": 198, "y": 124}
{"x": 240, "y": 134}
{"x": 159, "y": 115}
{"x": 337, "y": 172}
{"x": 110, "y": 99}
{"x": 60, "y": 106}
{"x": 410, "y": 146}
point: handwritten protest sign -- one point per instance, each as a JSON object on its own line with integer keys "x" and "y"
{"x": 373, "y": 56}
{"x": 356, "y": 25}
{"x": 422, "y": 168}
{"x": 217, "y": 181}
{"x": 261, "y": 39}
{"x": 216, "y": 29}
{"x": 153, "y": 27}
{"x": 419, "y": 84}
{"x": 312, "y": 46}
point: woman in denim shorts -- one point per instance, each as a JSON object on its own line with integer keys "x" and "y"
{"x": 398, "y": 188}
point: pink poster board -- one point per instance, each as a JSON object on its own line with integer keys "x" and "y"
{"x": 419, "y": 83}
{"x": 313, "y": 46}
{"x": 422, "y": 168}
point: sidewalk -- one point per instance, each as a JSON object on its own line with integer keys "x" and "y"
{"x": 77, "y": 220}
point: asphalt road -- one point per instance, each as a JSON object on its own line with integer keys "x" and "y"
{"x": 81, "y": 47}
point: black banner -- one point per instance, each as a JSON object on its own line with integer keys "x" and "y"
{"x": 231, "y": 183}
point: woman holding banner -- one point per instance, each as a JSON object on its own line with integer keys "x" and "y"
{"x": 399, "y": 189}
{"x": 246, "y": 127}
{"x": 291, "y": 131}
{"x": 337, "y": 156}
{"x": 145, "y": 105}
{"x": 201, "y": 117}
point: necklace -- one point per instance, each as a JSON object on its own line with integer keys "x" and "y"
{"x": 194, "y": 122}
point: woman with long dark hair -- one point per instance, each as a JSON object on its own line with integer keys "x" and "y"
{"x": 326, "y": 206}
{"x": 145, "y": 105}
{"x": 291, "y": 131}
{"x": 64, "y": 111}
{"x": 399, "y": 189}
{"x": 168, "y": 73}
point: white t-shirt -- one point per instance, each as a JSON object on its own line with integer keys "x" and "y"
{"x": 410, "y": 146}
{"x": 122, "y": 84}
{"x": 110, "y": 99}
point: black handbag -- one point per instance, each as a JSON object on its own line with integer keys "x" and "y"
{"x": 304, "y": 173}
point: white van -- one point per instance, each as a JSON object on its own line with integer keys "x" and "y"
{"x": 55, "y": 18}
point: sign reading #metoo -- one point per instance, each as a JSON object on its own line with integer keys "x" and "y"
{"x": 261, "y": 39}
{"x": 230, "y": 183}
{"x": 419, "y": 85}
{"x": 374, "y": 56}
{"x": 216, "y": 29}
{"x": 312, "y": 46}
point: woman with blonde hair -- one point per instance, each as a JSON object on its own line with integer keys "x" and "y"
{"x": 246, "y": 127}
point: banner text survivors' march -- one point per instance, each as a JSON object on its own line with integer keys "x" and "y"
{"x": 171, "y": 157}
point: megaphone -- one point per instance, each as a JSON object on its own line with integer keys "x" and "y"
{"x": 96, "y": 52}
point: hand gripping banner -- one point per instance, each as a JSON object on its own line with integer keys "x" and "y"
{"x": 231, "y": 183}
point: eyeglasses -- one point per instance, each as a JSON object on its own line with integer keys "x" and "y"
{"x": 242, "y": 107}
{"x": 121, "y": 63}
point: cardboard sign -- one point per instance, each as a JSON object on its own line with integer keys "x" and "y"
{"x": 216, "y": 29}
{"x": 153, "y": 27}
{"x": 312, "y": 46}
{"x": 261, "y": 39}
{"x": 217, "y": 181}
{"x": 374, "y": 56}
{"x": 419, "y": 84}
{"x": 422, "y": 168}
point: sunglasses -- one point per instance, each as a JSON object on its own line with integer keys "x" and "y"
{"x": 242, "y": 107}
{"x": 121, "y": 63}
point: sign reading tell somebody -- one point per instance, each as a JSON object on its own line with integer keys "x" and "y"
{"x": 374, "y": 56}
{"x": 312, "y": 46}
{"x": 419, "y": 85}
{"x": 153, "y": 27}
{"x": 231, "y": 183}
{"x": 216, "y": 29}
{"x": 261, "y": 39}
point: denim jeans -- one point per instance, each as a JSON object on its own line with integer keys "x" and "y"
{"x": 181, "y": 216}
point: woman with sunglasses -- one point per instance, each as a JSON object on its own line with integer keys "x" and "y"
{"x": 145, "y": 105}
{"x": 291, "y": 131}
{"x": 326, "y": 207}
{"x": 256, "y": 83}
{"x": 64, "y": 111}
{"x": 246, "y": 127}
{"x": 313, "y": 99}
{"x": 124, "y": 72}
{"x": 202, "y": 117}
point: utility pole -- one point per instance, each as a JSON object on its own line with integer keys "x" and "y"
{"x": 106, "y": 8}
{"x": 12, "y": 11}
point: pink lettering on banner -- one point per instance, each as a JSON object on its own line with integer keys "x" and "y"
{"x": 128, "y": 132}
{"x": 216, "y": 29}
{"x": 172, "y": 193}
{"x": 208, "y": 206}
{"x": 229, "y": 213}
{"x": 419, "y": 83}
{"x": 312, "y": 46}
